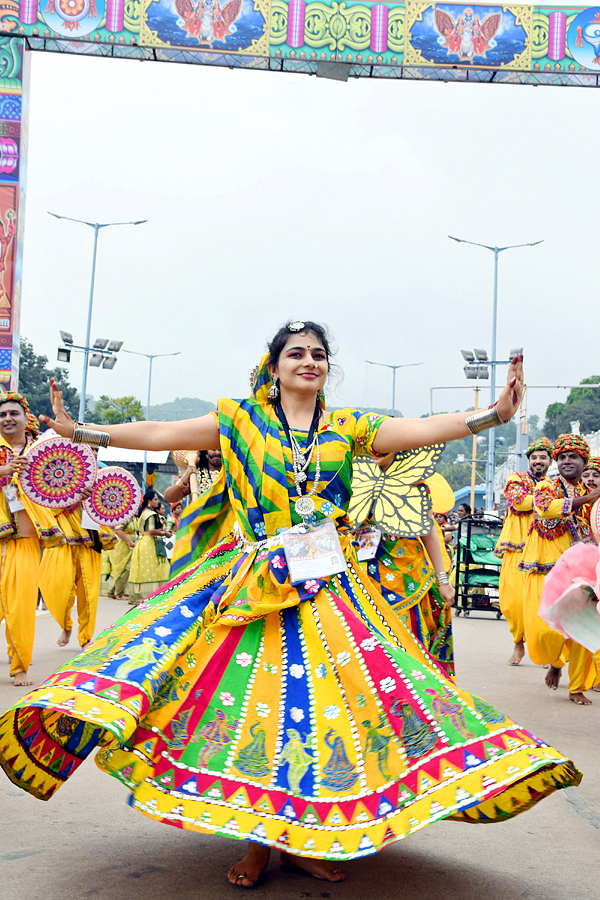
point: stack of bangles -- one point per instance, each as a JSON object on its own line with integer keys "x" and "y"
{"x": 483, "y": 419}
{"x": 82, "y": 434}
{"x": 441, "y": 578}
{"x": 180, "y": 484}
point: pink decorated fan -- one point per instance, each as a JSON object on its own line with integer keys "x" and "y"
{"x": 115, "y": 498}
{"x": 57, "y": 472}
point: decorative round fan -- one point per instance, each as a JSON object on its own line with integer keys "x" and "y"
{"x": 115, "y": 498}
{"x": 57, "y": 472}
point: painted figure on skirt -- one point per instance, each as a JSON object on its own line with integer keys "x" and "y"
{"x": 518, "y": 491}
{"x": 561, "y": 518}
{"x": 26, "y": 529}
{"x": 305, "y": 683}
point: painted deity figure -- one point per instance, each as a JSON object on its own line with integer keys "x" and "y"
{"x": 294, "y": 753}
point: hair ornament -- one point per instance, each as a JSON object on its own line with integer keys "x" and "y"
{"x": 296, "y": 326}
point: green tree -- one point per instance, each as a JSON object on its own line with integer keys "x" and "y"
{"x": 114, "y": 410}
{"x": 34, "y": 382}
{"x": 581, "y": 406}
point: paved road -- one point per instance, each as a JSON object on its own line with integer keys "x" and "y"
{"x": 87, "y": 842}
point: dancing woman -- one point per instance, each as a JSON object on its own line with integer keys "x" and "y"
{"x": 299, "y": 716}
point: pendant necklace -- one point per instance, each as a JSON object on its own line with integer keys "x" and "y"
{"x": 301, "y": 459}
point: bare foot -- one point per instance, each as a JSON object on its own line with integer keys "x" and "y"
{"x": 518, "y": 653}
{"x": 553, "y": 677}
{"x": 246, "y": 872}
{"x": 318, "y": 868}
{"x": 65, "y": 637}
{"x": 596, "y": 688}
{"x": 580, "y": 699}
{"x": 86, "y": 645}
{"x": 21, "y": 679}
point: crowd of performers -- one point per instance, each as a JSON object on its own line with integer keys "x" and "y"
{"x": 317, "y": 716}
{"x": 545, "y": 518}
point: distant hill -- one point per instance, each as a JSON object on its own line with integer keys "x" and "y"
{"x": 181, "y": 408}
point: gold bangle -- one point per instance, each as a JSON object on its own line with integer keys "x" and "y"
{"x": 93, "y": 438}
{"x": 484, "y": 419}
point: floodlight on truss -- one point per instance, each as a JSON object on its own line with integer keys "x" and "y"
{"x": 100, "y": 344}
{"x": 63, "y": 355}
{"x": 468, "y": 355}
{"x": 66, "y": 337}
{"x": 481, "y": 355}
{"x": 109, "y": 362}
{"x": 115, "y": 346}
{"x": 96, "y": 359}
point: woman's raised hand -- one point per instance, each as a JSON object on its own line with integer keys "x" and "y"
{"x": 62, "y": 422}
{"x": 511, "y": 396}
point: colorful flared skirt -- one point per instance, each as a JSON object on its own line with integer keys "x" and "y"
{"x": 324, "y": 729}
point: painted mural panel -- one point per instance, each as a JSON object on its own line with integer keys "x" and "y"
{"x": 349, "y": 32}
{"x": 449, "y": 34}
{"x": 237, "y": 26}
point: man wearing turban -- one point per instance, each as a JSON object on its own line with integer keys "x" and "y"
{"x": 561, "y": 518}
{"x": 518, "y": 491}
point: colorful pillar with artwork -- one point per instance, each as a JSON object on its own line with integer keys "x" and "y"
{"x": 14, "y": 109}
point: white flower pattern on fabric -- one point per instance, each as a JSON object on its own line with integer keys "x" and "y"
{"x": 278, "y": 562}
{"x": 343, "y": 658}
{"x": 369, "y": 644}
{"x": 296, "y": 670}
{"x": 387, "y": 685}
{"x": 389, "y": 577}
{"x": 296, "y": 713}
{"x": 161, "y": 631}
{"x": 331, "y": 712}
{"x": 419, "y": 676}
{"x": 226, "y": 698}
{"x": 321, "y": 670}
{"x": 262, "y": 710}
{"x": 311, "y": 586}
{"x": 260, "y": 530}
{"x": 186, "y": 611}
{"x": 243, "y": 660}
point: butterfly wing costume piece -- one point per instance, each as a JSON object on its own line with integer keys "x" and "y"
{"x": 396, "y": 500}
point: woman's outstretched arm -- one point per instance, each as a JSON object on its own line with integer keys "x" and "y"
{"x": 188, "y": 434}
{"x": 405, "y": 434}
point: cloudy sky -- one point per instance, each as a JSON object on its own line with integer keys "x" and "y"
{"x": 273, "y": 196}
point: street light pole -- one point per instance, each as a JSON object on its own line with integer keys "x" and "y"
{"x": 96, "y": 226}
{"x": 393, "y": 368}
{"x": 491, "y": 464}
{"x": 150, "y": 357}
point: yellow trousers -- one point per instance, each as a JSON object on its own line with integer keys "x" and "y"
{"x": 511, "y": 587}
{"x": 73, "y": 573}
{"x": 548, "y": 647}
{"x": 19, "y": 587}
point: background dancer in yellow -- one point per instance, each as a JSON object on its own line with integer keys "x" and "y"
{"x": 116, "y": 562}
{"x": 25, "y": 528}
{"x": 150, "y": 567}
{"x": 519, "y": 494}
{"x": 561, "y": 508}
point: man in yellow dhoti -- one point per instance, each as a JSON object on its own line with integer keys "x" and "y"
{"x": 25, "y": 530}
{"x": 82, "y": 556}
{"x": 561, "y": 517}
{"x": 519, "y": 494}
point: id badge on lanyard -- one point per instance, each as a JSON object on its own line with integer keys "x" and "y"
{"x": 368, "y": 542}
{"x": 313, "y": 553}
{"x": 12, "y": 498}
